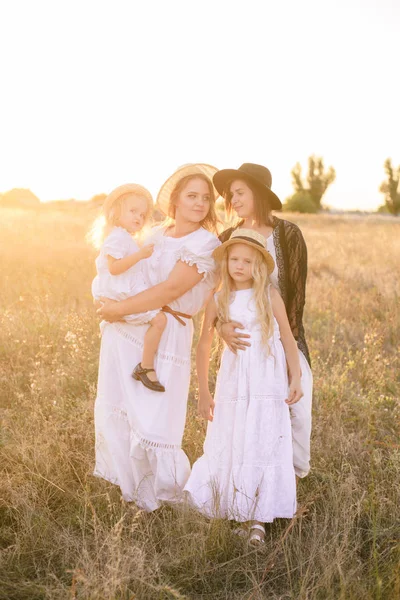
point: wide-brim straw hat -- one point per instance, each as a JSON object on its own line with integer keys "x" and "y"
{"x": 129, "y": 188}
{"x": 251, "y": 238}
{"x": 258, "y": 175}
{"x": 164, "y": 195}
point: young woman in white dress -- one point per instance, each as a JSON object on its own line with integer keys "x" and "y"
{"x": 246, "y": 472}
{"x": 138, "y": 431}
{"x": 247, "y": 192}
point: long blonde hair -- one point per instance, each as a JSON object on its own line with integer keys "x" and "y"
{"x": 110, "y": 215}
{"x": 261, "y": 295}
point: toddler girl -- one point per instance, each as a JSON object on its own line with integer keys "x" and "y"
{"x": 119, "y": 268}
{"x": 246, "y": 472}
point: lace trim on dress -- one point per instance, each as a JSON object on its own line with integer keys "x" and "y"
{"x": 149, "y": 444}
{"x": 280, "y": 264}
{"x": 142, "y": 441}
{"x": 179, "y": 361}
{"x": 245, "y": 398}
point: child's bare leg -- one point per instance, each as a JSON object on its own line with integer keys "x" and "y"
{"x": 151, "y": 341}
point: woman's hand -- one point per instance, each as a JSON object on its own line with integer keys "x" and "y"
{"x": 295, "y": 391}
{"x": 107, "y": 310}
{"x": 206, "y": 406}
{"x": 233, "y": 339}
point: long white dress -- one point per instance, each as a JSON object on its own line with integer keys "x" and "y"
{"x": 301, "y": 411}
{"x": 138, "y": 431}
{"x": 246, "y": 471}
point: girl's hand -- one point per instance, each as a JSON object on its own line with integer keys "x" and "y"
{"x": 147, "y": 251}
{"x": 206, "y": 406}
{"x": 234, "y": 339}
{"x": 295, "y": 391}
{"x": 107, "y": 310}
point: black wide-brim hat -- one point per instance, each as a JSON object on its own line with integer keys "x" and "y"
{"x": 257, "y": 175}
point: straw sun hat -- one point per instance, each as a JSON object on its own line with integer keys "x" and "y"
{"x": 129, "y": 188}
{"x": 251, "y": 238}
{"x": 167, "y": 188}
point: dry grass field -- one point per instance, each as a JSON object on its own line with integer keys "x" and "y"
{"x": 66, "y": 535}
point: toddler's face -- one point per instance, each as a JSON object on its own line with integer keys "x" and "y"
{"x": 241, "y": 259}
{"x": 133, "y": 213}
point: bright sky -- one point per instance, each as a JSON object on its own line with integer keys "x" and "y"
{"x": 94, "y": 94}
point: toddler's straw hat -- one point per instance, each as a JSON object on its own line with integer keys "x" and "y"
{"x": 166, "y": 189}
{"x": 129, "y": 188}
{"x": 251, "y": 238}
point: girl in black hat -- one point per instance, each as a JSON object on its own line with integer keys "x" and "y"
{"x": 247, "y": 192}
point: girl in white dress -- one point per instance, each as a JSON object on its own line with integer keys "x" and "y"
{"x": 138, "y": 432}
{"x": 120, "y": 269}
{"x": 246, "y": 472}
{"x": 247, "y": 192}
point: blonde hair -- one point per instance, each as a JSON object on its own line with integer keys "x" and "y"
{"x": 111, "y": 214}
{"x": 210, "y": 222}
{"x": 261, "y": 294}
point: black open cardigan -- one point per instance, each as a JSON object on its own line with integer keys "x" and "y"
{"x": 291, "y": 258}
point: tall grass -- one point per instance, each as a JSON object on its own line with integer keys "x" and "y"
{"x": 67, "y": 535}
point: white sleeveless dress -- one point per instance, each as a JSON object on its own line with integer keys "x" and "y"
{"x": 246, "y": 471}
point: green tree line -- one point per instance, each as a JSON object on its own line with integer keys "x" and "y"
{"x": 309, "y": 190}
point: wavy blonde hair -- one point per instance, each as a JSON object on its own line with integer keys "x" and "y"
{"x": 110, "y": 216}
{"x": 261, "y": 294}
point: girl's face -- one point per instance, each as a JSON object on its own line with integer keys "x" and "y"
{"x": 193, "y": 202}
{"x": 241, "y": 259}
{"x": 133, "y": 213}
{"x": 242, "y": 199}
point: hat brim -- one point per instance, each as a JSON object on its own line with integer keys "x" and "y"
{"x": 129, "y": 188}
{"x": 223, "y": 177}
{"x": 219, "y": 252}
{"x": 164, "y": 195}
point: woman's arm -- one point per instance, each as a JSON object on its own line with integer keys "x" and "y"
{"x": 289, "y": 345}
{"x": 181, "y": 279}
{"x": 203, "y": 351}
{"x": 116, "y": 266}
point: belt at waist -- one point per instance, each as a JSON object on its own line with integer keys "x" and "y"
{"x": 176, "y": 314}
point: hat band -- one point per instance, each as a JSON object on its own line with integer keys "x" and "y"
{"x": 248, "y": 239}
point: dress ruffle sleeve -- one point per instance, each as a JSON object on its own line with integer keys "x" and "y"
{"x": 200, "y": 255}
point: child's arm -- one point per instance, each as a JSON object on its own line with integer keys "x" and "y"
{"x": 116, "y": 266}
{"x": 289, "y": 345}
{"x": 203, "y": 351}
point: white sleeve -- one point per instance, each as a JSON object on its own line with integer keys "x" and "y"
{"x": 200, "y": 254}
{"x": 118, "y": 244}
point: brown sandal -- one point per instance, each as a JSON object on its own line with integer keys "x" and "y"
{"x": 140, "y": 374}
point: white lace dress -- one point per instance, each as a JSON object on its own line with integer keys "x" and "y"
{"x": 246, "y": 471}
{"x": 120, "y": 244}
{"x": 138, "y": 431}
